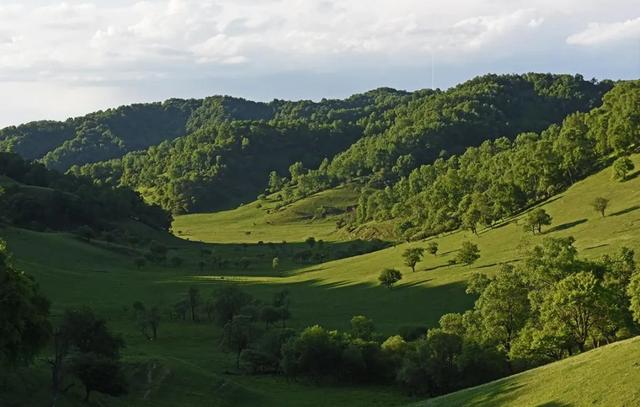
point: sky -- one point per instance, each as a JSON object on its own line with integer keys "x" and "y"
{"x": 60, "y": 59}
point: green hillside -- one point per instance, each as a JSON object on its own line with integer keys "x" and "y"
{"x": 606, "y": 376}
{"x": 73, "y": 272}
{"x": 113, "y": 253}
{"x": 232, "y": 146}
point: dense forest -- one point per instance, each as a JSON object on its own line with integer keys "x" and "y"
{"x": 502, "y": 177}
{"x": 198, "y": 155}
{"x": 425, "y": 162}
{"x": 34, "y": 197}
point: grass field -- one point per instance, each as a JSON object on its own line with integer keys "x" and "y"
{"x": 186, "y": 366}
{"x": 606, "y": 376}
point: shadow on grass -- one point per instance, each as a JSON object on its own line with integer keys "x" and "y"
{"x": 435, "y": 267}
{"x": 566, "y": 226}
{"x": 632, "y": 176}
{"x": 484, "y": 266}
{"x": 333, "y": 304}
{"x": 625, "y": 211}
{"x": 255, "y": 259}
{"x": 596, "y": 246}
{"x": 555, "y": 404}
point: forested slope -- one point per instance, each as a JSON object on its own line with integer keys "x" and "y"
{"x": 502, "y": 177}
{"x": 198, "y": 155}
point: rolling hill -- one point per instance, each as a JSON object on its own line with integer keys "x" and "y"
{"x": 186, "y": 366}
{"x": 606, "y": 376}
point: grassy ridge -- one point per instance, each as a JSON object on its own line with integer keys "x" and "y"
{"x": 186, "y": 366}
{"x": 606, "y": 376}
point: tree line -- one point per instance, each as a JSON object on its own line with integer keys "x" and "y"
{"x": 35, "y": 197}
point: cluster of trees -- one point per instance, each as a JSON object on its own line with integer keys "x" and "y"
{"x": 502, "y": 177}
{"x": 232, "y": 145}
{"x": 253, "y": 330}
{"x": 98, "y": 136}
{"x": 551, "y": 305}
{"x": 33, "y": 196}
{"x": 467, "y": 254}
{"x": 193, "y": 155}
{"x": 83, "y": 346}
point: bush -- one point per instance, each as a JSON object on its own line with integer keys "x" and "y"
{"x": 388, "y": 277}
{"x": 468, "y": 253}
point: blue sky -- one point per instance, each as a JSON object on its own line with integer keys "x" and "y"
{"x": 66, "y": 58}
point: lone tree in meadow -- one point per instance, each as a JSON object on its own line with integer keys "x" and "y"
{"x": 621, "y": 168}
{"x": 468, "y": 253}
{"x": 432, "y": 248}
{"x": 412, "y": 256}
{"x": 536, "y": 219}
{"x": 600, "y": 205}
{"x": 388, "y": 277}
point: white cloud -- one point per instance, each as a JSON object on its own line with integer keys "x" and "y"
{"x": 148, "y": 44}
{"x": 602, "y": 33}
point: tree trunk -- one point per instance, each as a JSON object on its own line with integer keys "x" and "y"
{"x": 86, "y": 394}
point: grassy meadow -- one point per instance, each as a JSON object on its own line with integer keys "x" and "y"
{"x": 186, "y": 365}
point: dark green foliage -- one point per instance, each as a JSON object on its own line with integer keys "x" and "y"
{"x": 24, "y": 312}
{"x": 100, "y": 374}
{"x": 600, "y": 205}
{"x": 468, "y": 253}
{"x": 412, "y": 256}
{"x": 148, "y": 320}
{"x": 41, "y": 198}
{"x": 229, "y": 302}
{"x": 84, "y": 343}
{"x": 503, "y": 177}
{"x": 362, "y": 327}
{"x": 621, "y": 168}
{"x": 233, "y": 148}
{"x": 633, "y": 291}
{"x": 546, "y": 308}
{"x": 536, "y": 219}
{"x": 432, "y": 248}
{"x": 212, "y": 153}
{"x": 238, "y": 334}
{"x": 388, "y": 277}
{"x": 98, "y": 136}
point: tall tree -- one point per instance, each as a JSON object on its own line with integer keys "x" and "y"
{"x": 621, "y": 168}
{"x": 600, "y": 204}
{"x": 24, "y": 313}
{"x": 83, "y": 342}
{"x": 468, "y": 253}
{"x": 573, "y": 307}
{"x": 412, "y": 256}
